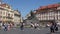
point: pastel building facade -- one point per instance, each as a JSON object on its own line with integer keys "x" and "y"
{"x": 46, "y": 14}
{"x": 8, "y": 15}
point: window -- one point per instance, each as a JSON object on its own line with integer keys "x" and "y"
{"x": 8, "y": 14}
{"x": 0, "y": 12}
{"x": 51, "y": 17}
{"x": 3, "y": 17}
{"x": 58, "y": 16}
{"x": 4, "y": 13}
{"x": 0, "y": 16}
{"x": 11, "y": 15}
{"x": 58, "y": 12}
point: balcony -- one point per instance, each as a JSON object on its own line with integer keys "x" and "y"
{"x": 9, "y": 17}
{"x": 17, "y": 15}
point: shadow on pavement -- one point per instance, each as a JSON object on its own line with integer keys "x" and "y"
{"x": 57, "y": 32}
{"x": 48, "y": 33}
{"x": 54, "y": 33}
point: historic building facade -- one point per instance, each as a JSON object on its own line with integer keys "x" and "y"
{"x": 48, "y": 13}
{"x": 17, "y": 17}
{"x": 8, "y": 15}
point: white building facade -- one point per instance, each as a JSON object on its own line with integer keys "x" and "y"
{"x": 49, "y": 14}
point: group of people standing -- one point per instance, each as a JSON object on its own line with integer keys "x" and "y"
{"x": 53, "y": 27}
{"x": 6, "y": 26}
{"x": 35, "y": 25}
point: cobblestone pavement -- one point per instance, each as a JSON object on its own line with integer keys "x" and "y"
{"x": 28, "y": 31}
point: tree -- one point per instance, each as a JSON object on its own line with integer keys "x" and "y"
{"x": 33, "y": 18}
{"x": 32, "y": 15}
{"x": 59, "y": 3}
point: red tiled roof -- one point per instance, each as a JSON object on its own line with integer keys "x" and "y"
{"x": 43, "y": 7}
{"x": 4, "y": 5}
{"x": 49, "y": 6}
{"x": 53, "y": 6}
{"x": 56, "y": 5}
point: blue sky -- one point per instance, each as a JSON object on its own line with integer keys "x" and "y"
{"x": 24, "y": 6}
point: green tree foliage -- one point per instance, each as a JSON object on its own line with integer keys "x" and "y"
{"x": 59, "y": 3}
{"x": 32, "y": 15}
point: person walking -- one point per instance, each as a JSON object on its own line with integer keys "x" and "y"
{"x": 8, "y": 27}
{"x": 36, "y": 25}
{"x": 5, "y": 27}
{"x": 0, "y": 26}
{"x": 52, "y": 28}
{"x": 56, "y": 27}
{"x": 22, "y": 26}
{"x": 32, "y": 25}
